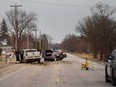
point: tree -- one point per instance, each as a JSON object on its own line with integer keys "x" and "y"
{"x": 4, "y": 30}
{"x": 99, "y": 29}
{"x": 70, "y": 43}
{"x": 50, "y": 39}
{"x": 20, "y": 23}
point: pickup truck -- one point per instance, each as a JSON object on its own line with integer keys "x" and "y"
{"x": 29, "y": 55}
{"x": 110, "y": 68}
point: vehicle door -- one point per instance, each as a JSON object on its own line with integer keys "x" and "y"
{"x": 114, "y": 65}
{"x": 109, "y": 65}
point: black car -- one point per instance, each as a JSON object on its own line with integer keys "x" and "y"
{"x": 110, "y": 68}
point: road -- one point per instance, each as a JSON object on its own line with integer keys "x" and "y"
{"x": 66, "y": 73}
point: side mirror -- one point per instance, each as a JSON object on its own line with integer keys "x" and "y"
{"x": 109, "y": 57}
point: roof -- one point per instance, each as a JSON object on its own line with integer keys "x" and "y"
{"x": 3, "y": 42}
{"x": 28, "y": 49}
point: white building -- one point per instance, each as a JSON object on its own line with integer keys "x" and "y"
{"x": 4, "y": 47}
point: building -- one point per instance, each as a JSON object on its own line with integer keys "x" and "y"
{"x": 4, "y": 46}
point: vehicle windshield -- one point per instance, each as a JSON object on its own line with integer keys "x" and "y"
{"x": 48, "y": 51}
{"x": 31, "y": 51}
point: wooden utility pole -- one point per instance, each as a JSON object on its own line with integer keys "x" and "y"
{"x": 16, "y": 24}
{"x": 28, "y": 40}
{"x": 36, "y": 38}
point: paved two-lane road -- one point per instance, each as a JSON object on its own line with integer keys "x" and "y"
{"x": 66, "y": 73}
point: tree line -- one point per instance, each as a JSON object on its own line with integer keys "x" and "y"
{"x": 98, "y": 31}
{"x": 73, "y": 43}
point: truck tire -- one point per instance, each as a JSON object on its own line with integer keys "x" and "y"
{"x": 113, "y": 79}
{"x": 21, "y": 62}
{"x": 45, "y": 59}
{"x": 39, "y": 60}
{"x": 106, "y": 75}
{"x": 57, "y": 59}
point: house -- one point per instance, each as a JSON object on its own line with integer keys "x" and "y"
{"x": 4, "y": 46}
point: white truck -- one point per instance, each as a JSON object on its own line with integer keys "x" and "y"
{"x": 29, "y": 55}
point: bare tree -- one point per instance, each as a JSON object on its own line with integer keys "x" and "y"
{"x": 99, "y": 29}
{"x": 70, "y": 43}
{"x": 20, "y": 22}
{"x": 50, "y": 39}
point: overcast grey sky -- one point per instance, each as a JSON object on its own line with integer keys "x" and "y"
{"x": 55, "y": 17}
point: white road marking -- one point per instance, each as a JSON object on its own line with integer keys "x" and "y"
{"x": 100, "y": 72}
{"x": 11, "y": 74}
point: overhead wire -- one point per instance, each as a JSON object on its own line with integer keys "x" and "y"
{"x": 5, "y": 2}
{"x": 9, "y": 2}
{"x": 45, "y": 3}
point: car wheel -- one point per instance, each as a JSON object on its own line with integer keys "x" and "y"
{"x": 113, "y": 79}
{"x": 57, "y": 59}
{"x": 45, "y": 59}
{"x": 106, "y": 75}
{"x": 39, "y": 60}
{"x": 21, "y": 61}
{"x": 61, "y": 59}
{"x": 54, "y": 59}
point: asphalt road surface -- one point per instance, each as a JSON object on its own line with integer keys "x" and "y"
{"x": 66, "y": 73}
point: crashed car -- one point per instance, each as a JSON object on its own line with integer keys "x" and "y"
{"x": 60, "y": 56}
{"x": 49, "y": 55}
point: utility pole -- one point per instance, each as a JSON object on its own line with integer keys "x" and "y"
{"x": 41, "y": 41}
{"x": 16, "y": 24}
{"x": 28, "y": 39}
{"x": 36, "y": 38}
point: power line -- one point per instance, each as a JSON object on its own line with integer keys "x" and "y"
{"x": 45, "y": 3}
{"x": 8, "y": 1}
{"x": 5, "y": 2}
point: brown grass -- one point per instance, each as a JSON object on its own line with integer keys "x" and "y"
{"x": 84, "y": 55}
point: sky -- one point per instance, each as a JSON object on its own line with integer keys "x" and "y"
{"x": 56, "y": 18}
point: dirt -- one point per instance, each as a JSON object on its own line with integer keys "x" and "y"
{"x": 48, "y": 63}
{"x": 6, "y": 69}
{"x": 3, "y": 65}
